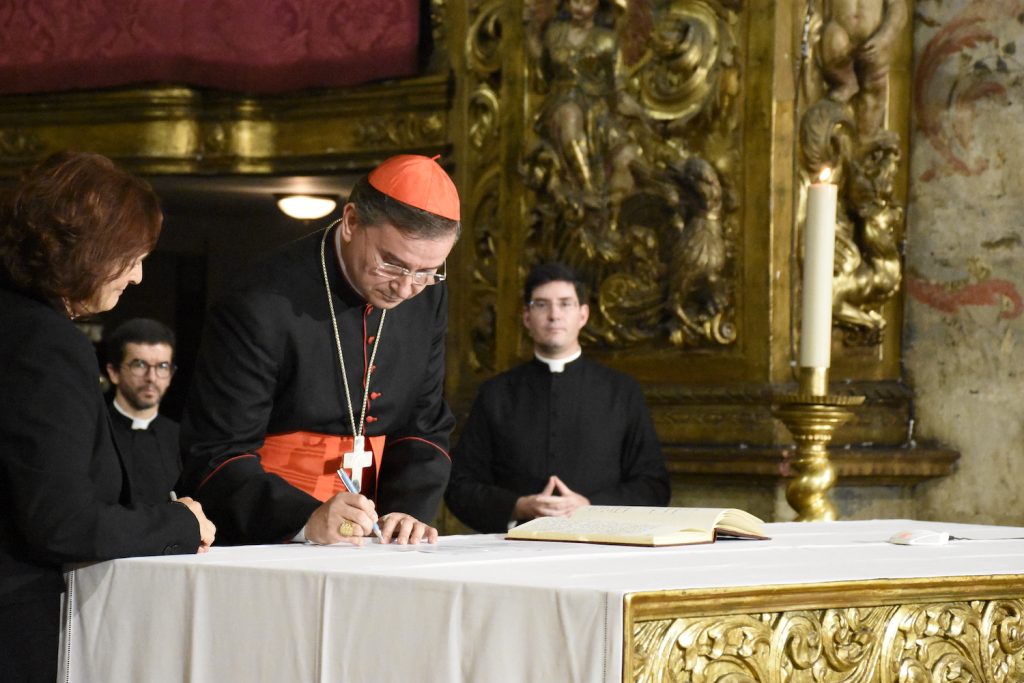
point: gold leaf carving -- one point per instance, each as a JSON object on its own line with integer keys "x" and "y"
{"x": 914, "y": 643}
{"x": 17, "y": 144}
{"x": 484, "y": 284}
{"x": 483, "y": 83}
{"x": 844, "y": 128}
{"x": 483, "y": 117}
{"x": 484, "y": 41}
{"x": 405, "y": 130}
{"x": 216, "y": 140}
{"x": 633, "y": 121}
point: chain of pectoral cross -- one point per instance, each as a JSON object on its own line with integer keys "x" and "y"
{"x": 358, "y": 457}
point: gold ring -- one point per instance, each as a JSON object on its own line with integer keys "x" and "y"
{"x": 346, "y": 529}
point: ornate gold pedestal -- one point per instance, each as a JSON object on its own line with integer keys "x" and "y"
{"x": 811, "y": 415}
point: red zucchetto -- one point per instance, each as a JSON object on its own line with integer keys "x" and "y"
{"x": 418, "y": 181}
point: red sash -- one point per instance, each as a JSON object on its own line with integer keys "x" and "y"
{"x": 310, "y": 461}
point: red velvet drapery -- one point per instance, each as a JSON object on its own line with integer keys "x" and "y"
{"x": 259, "y": 46}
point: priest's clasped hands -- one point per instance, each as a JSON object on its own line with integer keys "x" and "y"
{"x": 349, "y": 517}
{"x": 556, "y": 500}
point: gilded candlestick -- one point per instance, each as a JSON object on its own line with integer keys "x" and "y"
{"x": 812, "y": 415}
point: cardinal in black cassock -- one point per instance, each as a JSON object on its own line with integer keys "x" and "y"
{"x": 270, "y": 415}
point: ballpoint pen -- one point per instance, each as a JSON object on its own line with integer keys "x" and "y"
{"x": 351, "y": 486}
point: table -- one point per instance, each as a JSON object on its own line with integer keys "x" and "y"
{"x": 817, "y": 602}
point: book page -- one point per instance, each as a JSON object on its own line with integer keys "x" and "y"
{"x": 606, "y": 531}
{"x": 740, "y": 522}
{"x": 678, "y": 519}
{"x": 575, "y": 527}
{"x": 641, "y": 525}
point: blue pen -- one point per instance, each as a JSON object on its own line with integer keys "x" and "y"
{"x": 351, "y": 486}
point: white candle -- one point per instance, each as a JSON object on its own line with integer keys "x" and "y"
{"x": 819, "y": 255}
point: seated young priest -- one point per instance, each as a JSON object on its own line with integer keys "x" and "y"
{"x": 557, "y": 432}
{"x": 328, "y": 355}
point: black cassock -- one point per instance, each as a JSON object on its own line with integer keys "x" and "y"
{"x": 588, "y": 424}
{"x": 268, "y": 365}
{"x": 155, "y": 456}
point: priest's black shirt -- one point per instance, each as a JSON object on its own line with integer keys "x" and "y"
{"x": 155, "y": 455}
{"x": 588, "y": 424}
{"x": 268, "y": 365}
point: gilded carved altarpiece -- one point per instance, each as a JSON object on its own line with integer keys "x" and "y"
{"x": 662, "y": 147}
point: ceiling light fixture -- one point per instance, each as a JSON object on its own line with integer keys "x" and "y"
{"x": 306, "y": 207}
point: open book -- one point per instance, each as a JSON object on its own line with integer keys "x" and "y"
{"x": 642, "y": 525}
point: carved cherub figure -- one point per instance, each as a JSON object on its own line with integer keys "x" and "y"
{"x": 856, "y": 52}
{"x": 585, "y": 112}
{"x": 868, "y": 260}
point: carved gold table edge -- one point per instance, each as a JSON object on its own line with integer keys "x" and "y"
{"x": 651, "y": 605}
{"x": 901, "y": 616}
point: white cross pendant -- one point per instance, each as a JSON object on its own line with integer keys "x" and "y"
{"x": 356, "y": 460}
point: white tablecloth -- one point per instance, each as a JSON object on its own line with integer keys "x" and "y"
{"x": 472, "y": 608}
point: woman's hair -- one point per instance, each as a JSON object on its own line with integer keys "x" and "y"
{"x": 73, "y": 223}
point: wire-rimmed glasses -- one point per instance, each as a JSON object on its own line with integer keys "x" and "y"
{"x": 420, "y": 278}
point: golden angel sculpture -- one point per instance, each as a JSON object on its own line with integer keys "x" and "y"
{"x": 853, "y": 42}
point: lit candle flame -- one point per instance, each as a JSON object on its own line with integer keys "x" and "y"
{"x": 825, "y": 175}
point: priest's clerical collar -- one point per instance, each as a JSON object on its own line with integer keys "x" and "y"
{"x": 137, "y": 422}
{"x": 558, "y": 364}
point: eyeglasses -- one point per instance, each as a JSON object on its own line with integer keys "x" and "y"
{"x": 420, "y": 278}
{"x": 543, "y": 305}
{"x": 140, "y": 368}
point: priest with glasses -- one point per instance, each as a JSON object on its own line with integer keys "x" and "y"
{"x": 331, "y": 355}
{"x": 140, "y": 365}
{"x": 557, "y": 432}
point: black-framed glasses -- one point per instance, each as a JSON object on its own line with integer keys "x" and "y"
{"x": 544, "y": 305}
{"x": 140, "y": 368}
{"x": 420, "y": 278}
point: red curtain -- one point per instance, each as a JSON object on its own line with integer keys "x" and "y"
{"x": 258, "y": 46}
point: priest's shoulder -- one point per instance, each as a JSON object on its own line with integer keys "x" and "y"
{"x": 293, "y": 262}
{"x": 608, "y": 374}
{"x": 165, "y": 424}
{"x": 507, "y": 380}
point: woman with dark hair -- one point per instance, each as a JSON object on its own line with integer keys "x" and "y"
{"x": 73, "y": 234}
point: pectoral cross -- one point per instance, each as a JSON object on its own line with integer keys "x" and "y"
{"x": 356, "y": 460}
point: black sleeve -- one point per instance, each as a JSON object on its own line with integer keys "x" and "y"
{"x": 472, "y": 494}
{"x": 416, "y": 464}
{"x": 225, "y": 422}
